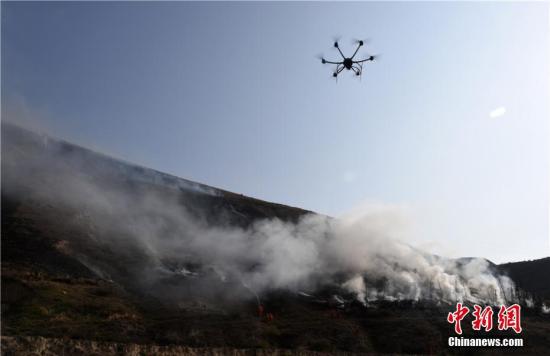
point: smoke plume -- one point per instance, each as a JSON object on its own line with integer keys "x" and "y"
{"x": 139, "y": 215}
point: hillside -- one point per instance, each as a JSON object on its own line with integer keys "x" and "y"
{"x": 531, "y": 276}
{"x": 99, "y": 250}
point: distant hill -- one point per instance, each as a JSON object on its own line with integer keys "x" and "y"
{"x": 532, "y": 275}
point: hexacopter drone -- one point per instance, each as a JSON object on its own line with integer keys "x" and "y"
{"x": 348, "y": 63}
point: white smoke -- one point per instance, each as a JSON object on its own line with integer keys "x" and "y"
{"x": 357, "y": 285}
{"x": 361, "y": 252}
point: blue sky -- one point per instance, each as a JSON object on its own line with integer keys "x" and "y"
{"x": 232, "y": 95}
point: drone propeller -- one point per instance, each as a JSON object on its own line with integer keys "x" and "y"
{"x": 358, "y": 72}
{"x": 360, "y": 41}
{"x": 375, "y": 57}
{"x": 335, "y": 40}
{"x": 321, "y": 58}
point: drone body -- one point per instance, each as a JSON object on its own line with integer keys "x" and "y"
{"x": 348, "y": 62}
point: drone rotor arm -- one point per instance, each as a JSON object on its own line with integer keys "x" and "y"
{"x": 371, "y": 58}
{"x": 330, "y": 62}
{"x": 338, "y": 48}
{"x": 357, "y": 49}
